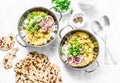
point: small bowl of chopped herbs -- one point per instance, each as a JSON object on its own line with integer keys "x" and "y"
{"x": 63, "y": 5}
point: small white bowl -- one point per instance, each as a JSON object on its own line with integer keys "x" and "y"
{"x": 86, "y": 4}
{"x": 83, "y": 19}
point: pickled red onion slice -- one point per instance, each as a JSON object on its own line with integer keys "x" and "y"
{"x": 78, "y": 59}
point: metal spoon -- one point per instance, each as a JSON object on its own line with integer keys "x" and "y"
{"x": 98, "y": 29}
{"x": 105, "y": 22}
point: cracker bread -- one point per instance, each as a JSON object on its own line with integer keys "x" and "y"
{"x": 7, "y": 61}
{"x": 20, "y": 78}
{"x": 37, "y": 68}
{"x": 7, "y": 42}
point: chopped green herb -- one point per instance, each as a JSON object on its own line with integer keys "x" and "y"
{"x": 61, "y": 53}
{"x": 33, "y": 18}
{"x": 63, "y": 5}
{"x": 71, "y": 12}
{"x": 75, "y": 48}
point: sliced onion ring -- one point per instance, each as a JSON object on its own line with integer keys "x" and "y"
{"x": 78, "y": 59}
{"x": 50, "y": 20}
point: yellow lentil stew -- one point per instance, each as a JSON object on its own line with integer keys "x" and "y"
{"x": 80, "y": 49}
{"x": 38, "y": 27}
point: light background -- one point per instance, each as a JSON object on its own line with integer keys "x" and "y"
{"x": 10, "y": 12}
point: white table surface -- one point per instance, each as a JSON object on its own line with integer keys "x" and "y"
{"x": 10, "y": 12}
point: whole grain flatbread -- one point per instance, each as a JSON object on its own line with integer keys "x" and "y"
{"x": 37, "y": 68}
{"x": 7, "y": 42}
{"x": 20, "y": 78}
{"x": 7, "y": 61}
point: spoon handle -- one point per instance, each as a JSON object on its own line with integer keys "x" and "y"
{"x": 106, "y": 61}
{"x": 110, "y": 54}
{"x": 112, "y": 58}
